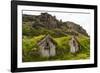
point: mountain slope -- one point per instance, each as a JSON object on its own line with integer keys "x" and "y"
{"x": 48, "y": 24}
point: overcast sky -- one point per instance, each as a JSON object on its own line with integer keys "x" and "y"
{"x": 83, "y": 19}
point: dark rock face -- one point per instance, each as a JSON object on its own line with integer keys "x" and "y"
{"x": 47, "y": 21}
{"x": 76, "y": 27}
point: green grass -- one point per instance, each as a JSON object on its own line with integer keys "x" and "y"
{"x": 30, "y": 49}
{"x": 62, "y": 42}
{"x": 30, "y": 44}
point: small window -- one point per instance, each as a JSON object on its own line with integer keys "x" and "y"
{"x": 74, "y": 43}
{"x": 47, "y": 45}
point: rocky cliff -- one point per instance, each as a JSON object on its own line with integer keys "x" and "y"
{"x": 50, "y": 23}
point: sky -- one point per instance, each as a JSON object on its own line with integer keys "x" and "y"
{"x": 83, "y": 19}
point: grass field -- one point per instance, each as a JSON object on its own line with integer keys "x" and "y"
{"x": 30, "y": 49}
